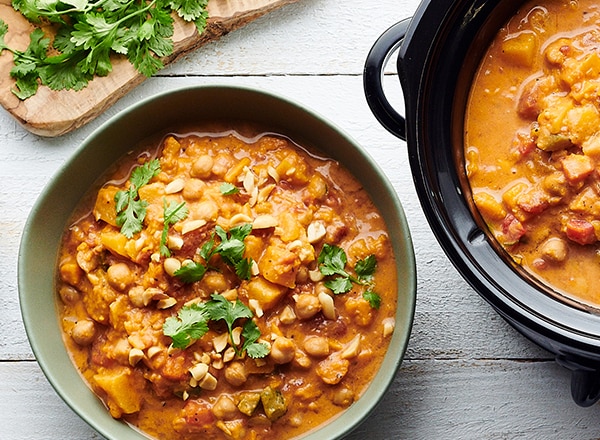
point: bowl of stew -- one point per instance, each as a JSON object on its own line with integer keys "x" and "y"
{"x": 501, "y": 121}
{"x": 218, "y": 262}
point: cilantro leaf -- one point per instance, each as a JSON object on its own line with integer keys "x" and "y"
{"x": 172, "y": 213}
{"x": 192, "y": 322}
{"x": 251, "y": 333}
{"x": 206, "y": 251}
{"x": 130, "y": 210}
{"x": 190, "y": 325}
{"x": 332, "y": 262}
{"x": 142, "y": 175}
{"x": 228, "y": 189}
{"x": 373, "y": 299}
{"x": 191, "y": 272}
{"x": 366, "y": 268}
{"x": 232, "y": 248}
{"x": 3, "y": 32}
{"x": 339, "y": 285}
{"x": 219, "y": 308}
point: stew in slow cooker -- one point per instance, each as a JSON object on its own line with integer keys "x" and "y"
{"x": 532, "y": 143}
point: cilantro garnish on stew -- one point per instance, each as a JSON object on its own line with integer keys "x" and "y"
{"x": 192, "y": 321}
{"x": 332, "y": 263}
{"x": 131, "y": 211}
{"x": 172, "y": 213}
{"x": 231, "y": 249}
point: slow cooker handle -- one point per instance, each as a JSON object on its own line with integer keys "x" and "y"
{"x": 376, "y": 61}
{"x": 585, "y": 381}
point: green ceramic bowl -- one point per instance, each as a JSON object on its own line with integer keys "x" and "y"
{"x": 43, "y": 230}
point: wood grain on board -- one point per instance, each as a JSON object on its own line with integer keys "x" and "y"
{"x": 53, "y": 113}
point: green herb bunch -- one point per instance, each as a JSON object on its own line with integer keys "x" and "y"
{"x": 88, "y": 33}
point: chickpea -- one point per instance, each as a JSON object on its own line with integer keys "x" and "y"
{"x": 225, "y": 408}
{"x": 202, "y": 167}
{"x": 68, "y": 294}
{"x": 193, "y": 189}
{"x": 205, "y": 210}
{"x": 307, "y": 306}
{"x": 282, "y": 350}
{"x": 236, "y": 374}
{"x": 316, "y": 346}
{"x": 83, "y": 332}
{"x": 215, "y": 282}
{"x": 136, "y": 296}
{"x": 222, "y": 163}
{"x": 343, "y": 397}
{"x": 302, "y": 275}
{"x": 120, "y": 276}
{"x": 554, "y": 249}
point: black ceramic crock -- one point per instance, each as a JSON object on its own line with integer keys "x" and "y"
{"x": 438, "y": 51}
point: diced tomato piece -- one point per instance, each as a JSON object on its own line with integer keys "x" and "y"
{"x": 580, "y": 231}
{"x": 529, "y": 105}
{"x": 176, "y": 367}
{"x": 512, "y": 229}
{"x": 195, "y": 417}
{"x": 577, "y": 167}
{"x": 523, "y": 144}
{"x": 533, "y": 202}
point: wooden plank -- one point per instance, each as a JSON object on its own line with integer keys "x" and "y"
{"x": 434, "y": 399}
{"x": 53, "y": 113}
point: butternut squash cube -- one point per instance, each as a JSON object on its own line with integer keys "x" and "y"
{"x": 120, "y": 388}
{"x": 289, "y": 227}
{"x": 115, "y": 242}
{"x": 105, "y": 206}
{"x": 582, "y": 122}
{"x": 520, "y": 50}
{"x": 489, "y": 206}
{"x": 266, "y": 293}
{"x": 577, "y": 167}
{"x": 279, "y": 265}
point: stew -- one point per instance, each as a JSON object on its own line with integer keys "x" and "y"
{"x": 532, "y": 143}
{"x": 227, "y": 284}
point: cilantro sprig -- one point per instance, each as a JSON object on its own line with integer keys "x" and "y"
{"x": 190, "y": 325}
{"x": 231, "y": 249}
{"x": 220, "y": 308}
{"x": 192, "y": 322}
{"x": 172, "y": 213}
{"x": 131, "y": 210}
{"x": 332, "y": 263}
{"x": 89, "y": 33}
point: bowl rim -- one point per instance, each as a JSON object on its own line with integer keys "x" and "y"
{"x": 43, "y": 328}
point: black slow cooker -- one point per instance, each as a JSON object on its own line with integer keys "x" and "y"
{"x": 439, "y": 49}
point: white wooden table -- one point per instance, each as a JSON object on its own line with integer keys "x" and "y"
{"x": 467, "y": 374}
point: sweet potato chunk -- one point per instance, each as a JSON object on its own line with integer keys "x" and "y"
{"x": 265, "y": 292}
{"x": 577, "y": 167}
{"x": 520, "y": 50}
{"x": 121, "y": 388}
{"x": 105, "y": 206}
{"x": 279, "y": 265}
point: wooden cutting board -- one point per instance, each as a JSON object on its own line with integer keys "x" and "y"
{"x": 53, "y": 113}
